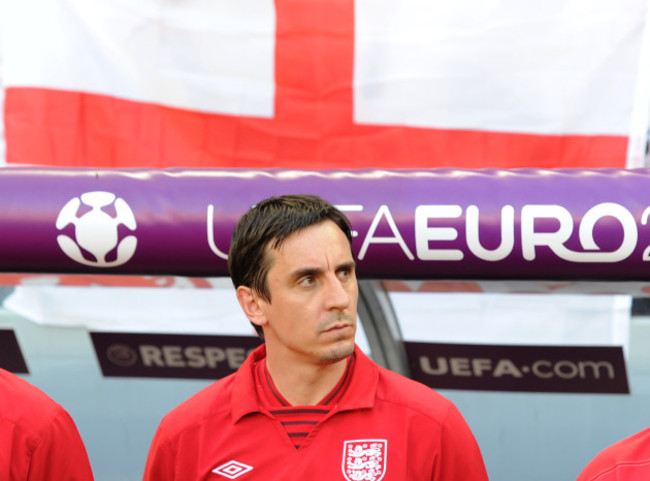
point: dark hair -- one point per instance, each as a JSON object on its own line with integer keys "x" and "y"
{"x": 266, "y": 225}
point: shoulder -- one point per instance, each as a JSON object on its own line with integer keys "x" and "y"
{"x": 210, "y": 402}
{"x": 631, "y": 454}
{"x": 413, "y": 396}
{"x": 23, "y": 404}
{"x": 379, "y": 385}
{"x": 220, "y": 401}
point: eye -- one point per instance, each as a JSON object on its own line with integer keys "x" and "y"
{"x": 307, "y": 281}
{"x": 345, "y": 273}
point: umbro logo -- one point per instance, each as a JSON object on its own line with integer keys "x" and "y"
{"x": 232, "y": 469}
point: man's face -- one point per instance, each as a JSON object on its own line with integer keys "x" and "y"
{"x": 312, "y": 316}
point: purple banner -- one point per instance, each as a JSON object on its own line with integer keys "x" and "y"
{"x": 440, "y": 224}
{"x": 578, "y": 369}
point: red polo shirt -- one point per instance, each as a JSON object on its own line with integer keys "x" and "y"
{"x": 626, "y": 460}
{"x": 38, "y": 439}
{"x": 385, "y": 427}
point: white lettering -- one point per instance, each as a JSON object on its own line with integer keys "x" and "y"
{"x": 547, "y": 226}
{"x": 543, "y": 369}
{"x": 210, "y": 226}
{"x": 507, "y": 234}
{"x": 396, "y": 239}
{"x": 173, "y": 356}
{"x": 538, "y": 372}
{"x": 595, "y": 368}
{"x": 481, "y": 365}
{"x": 586, "y": 231}
{"x": 440, "y": 370}
{"x": 425, "y": 234}
{"x": 644, "y": 221}
{"x": 350, "y": 208}
{"x": 236, "y": 357}
{"x": 195, "y": 358}
{"x": 151, "y": 356}
{"x": 214, "y": 355}
{"x": 505, "y": 367}
{"x": 565, "y": 369}
{"x": 554, "y": 240}
{"x": 192, "y": 356}
{"x": 460, "y": 366}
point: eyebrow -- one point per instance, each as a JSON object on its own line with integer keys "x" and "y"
{"x": 305, "y": 272}
{"x": 313, "y": 271}
{"x": 350, "y": 266}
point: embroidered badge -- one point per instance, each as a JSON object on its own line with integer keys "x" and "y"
{"x": 232, "y": 469}
{"x": 364, "y": 459}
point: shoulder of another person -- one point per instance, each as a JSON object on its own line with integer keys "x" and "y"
{"x": 24, "y": 403}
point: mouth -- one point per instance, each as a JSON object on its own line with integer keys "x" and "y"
{"x": 340, "y": 324}
{"x": 338, "y": 328}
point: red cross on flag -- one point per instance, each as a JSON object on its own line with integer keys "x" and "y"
{"x": 325, "y": 83}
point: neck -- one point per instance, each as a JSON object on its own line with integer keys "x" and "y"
{"x": 305, "y": 385}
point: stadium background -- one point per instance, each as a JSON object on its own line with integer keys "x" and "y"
{"x": 319, "y": 86}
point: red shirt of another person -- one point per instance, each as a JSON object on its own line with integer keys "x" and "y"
{"x": 38, "y": 439}
{"x": 626, "y": 460}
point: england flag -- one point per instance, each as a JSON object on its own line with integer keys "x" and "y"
{"x": 325, "y": 84}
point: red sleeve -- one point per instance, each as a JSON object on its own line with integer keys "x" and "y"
{"x": 592, "y": 471}
{"x": 160, "y": 461}
{"x": 460, "y": 458}
{"x": 627, "y": 459}
{"x": 624, "y": 470}
{"x": 59, "y": 453}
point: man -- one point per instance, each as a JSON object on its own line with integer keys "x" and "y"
{"x": 626, "y": 460}
{"x": 308, "y": 404}
{"x": 39, "y": 440}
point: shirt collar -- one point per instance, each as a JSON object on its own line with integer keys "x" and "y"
{"x": 359, "y": 394}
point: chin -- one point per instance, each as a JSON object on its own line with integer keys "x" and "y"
{"x": 337, "y": 353}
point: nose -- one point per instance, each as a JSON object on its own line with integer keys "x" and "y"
{"x": 338, "y": 293}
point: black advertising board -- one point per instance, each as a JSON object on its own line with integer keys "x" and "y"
{"x": 11, "y": 357}
{"x": 567, "y": 369}
{"x": 171, "y": 355}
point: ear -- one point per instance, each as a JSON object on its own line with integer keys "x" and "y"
{"x": 252, "y": 305}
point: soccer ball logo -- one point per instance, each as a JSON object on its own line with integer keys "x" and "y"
{"x": 96, "y": 230}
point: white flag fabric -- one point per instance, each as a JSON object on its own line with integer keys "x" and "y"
{"x": 552, "y": 67}
{"x": 198, "y": 54}
{"x": 326, "y": 84}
